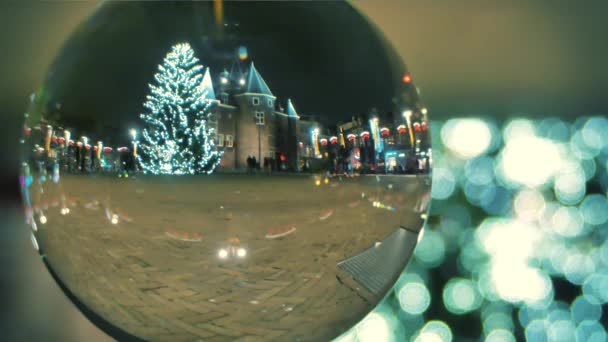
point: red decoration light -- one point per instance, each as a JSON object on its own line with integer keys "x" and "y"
{"x": 333, "y": 140}
{"x": 54, "y": 139}
{"x": 384, "y": 131}
{"x": 28, "y": 131}
{"x": 71, "y": 142}
{"x": 95, "y": 148}
{"x": 417, "y": 127}
{"x": 351, "y": 137}
{"x": 407, "y": 78}
{"x": 323, "y": 141}
{"x": 79, "y": 144}
{"x": 107, "y": 149}
{"x": 61, "y": 140}
{"x": 122, "y": 149}
{"x": 87, "y": 146}
{"x": 401, "y": 129}
{"x": 424, "y": 126}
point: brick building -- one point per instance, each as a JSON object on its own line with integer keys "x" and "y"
{"x": 249, "y": 121}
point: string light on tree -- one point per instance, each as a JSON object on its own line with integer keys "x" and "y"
{"x": 176, "y": 139}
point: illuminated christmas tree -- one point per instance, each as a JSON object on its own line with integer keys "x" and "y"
{"x": 176, "y": 138}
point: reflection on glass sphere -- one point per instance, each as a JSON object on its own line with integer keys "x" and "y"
{"x": 218, "y": 171}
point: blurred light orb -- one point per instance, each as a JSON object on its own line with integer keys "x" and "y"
{"x": 444, "y": 183}
{"x": 461, "y": 296}
{"x": 500, "y": 335}
{"x": 585, "y": 309}
{"x": 562, "y": 331}
{"x": 595, "y": 288}
{"x": 580, "y": 148}
{"x": 529, "y": 161}
{"x": 595, "y": 133}
{"x": 591, "y": 331}
{"x": 570, "y": 183}
{"x": 467, "y": 138}
{"x": 567, "y": 221}
{"x": 374, "y": 327}
{"x": 594, "y": 209}
{"x": 507, "y": 279}
{"x": 529, "y": 204}
{"x": 414, "y": 298}
{"x": 536, "y": 331}
{"x": 518, "y": 128}
{"x": 500, "y": 320}
{"x": 479, "y": 171}
{"x": 430, "y": 251}
{"x": 480, "y": 195}
{"x": 578, "y": 267}
{"x": 434, "y": 331}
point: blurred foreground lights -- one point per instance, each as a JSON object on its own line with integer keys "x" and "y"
{"x": 114, "y": 219}
{"x": 562, "y": 330}
{"x": 34, "y": 242}
{"x": 444, "y": 183}
{"x": 222, "y": 253}
{"x": 595, "y": 288}
{"x": 500, "y": 335}
{"x": 567, "y": 221}
{"x": 434, "y": 331}
{"x": 241, "y": 252}
{"x": 529, "y": 161}
{"x": 430, "y": 251}
{"x": 595, "y": 209}
{"x": 64, "y": 211}
{"x": 414, "y": 298}
{"x": 374, "y": 327}
{"x": 529, "y": 205}
{"x": 595, "y": 133}
{"x": 591, "y": 331}
{"x": 467, "y": 138}
{"x": 461, "y": 296}
{"x": 520, "y": 283}
{"x": 585, "y": 309}
{"x": 42, "y": 219}
{"x": 569, "y": 184}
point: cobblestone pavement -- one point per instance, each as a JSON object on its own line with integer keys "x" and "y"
{"x": 143, "y": 253}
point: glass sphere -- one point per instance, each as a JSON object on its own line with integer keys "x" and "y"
{"x": 216, "y": 171}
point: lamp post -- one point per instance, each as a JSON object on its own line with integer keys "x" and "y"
{"x": 408, "y": 120}
{"x": 133, "y": 133}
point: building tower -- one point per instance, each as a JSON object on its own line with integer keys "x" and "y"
{"x": 255, "y": 124}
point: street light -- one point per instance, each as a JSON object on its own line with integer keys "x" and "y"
{"x": 133, "y": 133}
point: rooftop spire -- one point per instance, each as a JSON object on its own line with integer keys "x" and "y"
{"x": 208, "y": 85}
{"x": 291, "y": 111}
{"x": 255, "y": 83}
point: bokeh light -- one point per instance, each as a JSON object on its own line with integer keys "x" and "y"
{"x": 517, "y": 216}
{"x": 467, "y": 138}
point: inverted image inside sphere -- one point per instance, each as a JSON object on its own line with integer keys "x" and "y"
{"x": 226, "y": 170}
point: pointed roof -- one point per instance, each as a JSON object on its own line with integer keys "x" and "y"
{"x": 255, "y": 83}
{"x": 208, "y": 85}
{"x": 291, "y": 111}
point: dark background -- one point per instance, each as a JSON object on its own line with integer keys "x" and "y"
{"x": 469, "y": 58}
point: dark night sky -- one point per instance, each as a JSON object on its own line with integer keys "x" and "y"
{"x": 322, "y": 55}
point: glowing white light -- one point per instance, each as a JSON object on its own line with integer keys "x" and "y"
{"x": 373, "y": 328}
{"x": 424, "y": 111}
{"x": 530, "y": 161}
{"x": 507, "y": 280}
{"x": 434, "y": 331}
{"x": 114, "y": 219}
{"x": 407, "y": 114}
{"x": 569, "y": 185}
{"x": 241, "y": 252}
{"x": 529, "y": 205}
{"x": 242, "y": 81}
{"x": 518, "y": 128}
{"x": 461, "y": 296}
{"x": 133, "y": 133}
{"x": 222, "y": 253}
{"x": 42, "y": 219}
{"x": 509, "y": 239}
{"x": 414, "y": 298}
{"x": 34, "y": 241}
{"x": 223, "y": 80}
{"x": 467, "y": 138}
{"x": 500, "y": 335}
{"x": 567, "y": 221}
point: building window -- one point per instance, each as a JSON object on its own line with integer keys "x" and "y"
{"x": 220, "y": 140}
{"x": 269, "y": 103}
{"x": 259, "y": 118}
{"x": 255, "y": 101}
{"x": 229, "y": 140}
